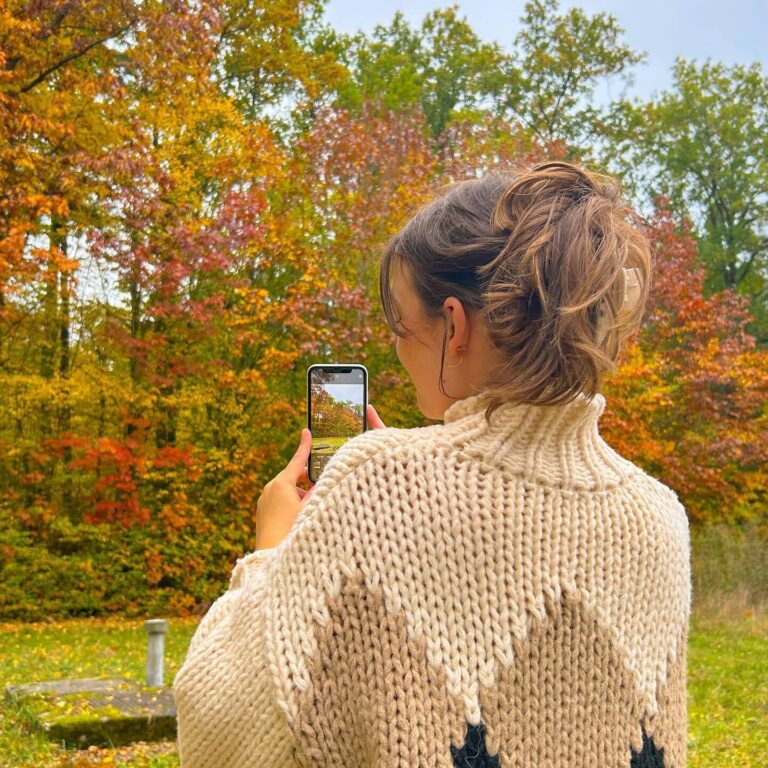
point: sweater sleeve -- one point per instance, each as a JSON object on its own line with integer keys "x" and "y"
{"x": 225, "y": 708}
{"x": 231, "y": 709}
{"x": 354, "y": 682}
{"x": 247, "y": 567}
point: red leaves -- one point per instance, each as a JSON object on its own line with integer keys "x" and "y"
{"x": 693, "y": 386}
{"x": 218, "y": 260}
{"x": 171, "y": 457}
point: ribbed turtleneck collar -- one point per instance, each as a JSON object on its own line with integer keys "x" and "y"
{"x": 575, "y": 414}
{"x": 553, "y": 444}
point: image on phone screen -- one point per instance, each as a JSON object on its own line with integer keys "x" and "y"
{"x": 338, "y": 397}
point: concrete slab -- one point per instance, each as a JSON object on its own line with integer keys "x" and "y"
{"x": 97, "y": 712}
{"x": 61, "y": 687}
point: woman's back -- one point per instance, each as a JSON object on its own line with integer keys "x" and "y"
{"x": 512, "y": 595}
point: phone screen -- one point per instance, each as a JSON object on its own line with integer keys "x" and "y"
{"x": 337, "y": 398}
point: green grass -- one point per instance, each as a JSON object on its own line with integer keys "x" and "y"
{"x": 727, "y": 687}
{"x": 331, "y": 444}
{"x": 81, "y": 648}
{"x": 728, "y": 692}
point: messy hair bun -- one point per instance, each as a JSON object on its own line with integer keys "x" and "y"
{"x": 552, "y": 259}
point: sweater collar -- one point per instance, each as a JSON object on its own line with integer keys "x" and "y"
{"x": 582, "y": 413}
{"x": 553, "y": 444}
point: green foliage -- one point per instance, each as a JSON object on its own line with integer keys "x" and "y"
{"x": 558, "y": 60}
{"x": 545, "y": 82}
{"x": 704, "y": 143}
{"x": 441, "y": 67}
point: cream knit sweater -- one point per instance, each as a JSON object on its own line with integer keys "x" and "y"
{"x": 455, "y": 595}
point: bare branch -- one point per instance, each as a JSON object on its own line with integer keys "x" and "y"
{"x": 72, "y": 56}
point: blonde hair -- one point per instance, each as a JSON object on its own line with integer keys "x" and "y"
{"x": 544, "y": 253}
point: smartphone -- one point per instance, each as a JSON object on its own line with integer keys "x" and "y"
{"x": 337, "y": 397}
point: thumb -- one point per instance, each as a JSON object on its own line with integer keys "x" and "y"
{"x": 374, "y": 419}
{"x": 298, "y": 463}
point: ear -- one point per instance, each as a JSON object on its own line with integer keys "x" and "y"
{"x": 458, "y": 322}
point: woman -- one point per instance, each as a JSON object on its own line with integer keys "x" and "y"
{"x": 502, "y": 589}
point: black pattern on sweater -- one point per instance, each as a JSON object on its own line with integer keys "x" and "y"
{"x": 475, "y": 755}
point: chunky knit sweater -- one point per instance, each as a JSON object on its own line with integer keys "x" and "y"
{"x": 455, "y": 595}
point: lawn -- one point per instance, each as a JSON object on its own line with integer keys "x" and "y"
{"x": 728, "y": 693}
{"x": 81, "y": 648}
{"x": 727, "y": 687}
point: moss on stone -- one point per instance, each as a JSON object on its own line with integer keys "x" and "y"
{"x": 126, "y": 715}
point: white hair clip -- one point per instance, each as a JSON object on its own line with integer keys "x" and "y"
{"x": 631, "y": 297}
{"x": 630, "y": 281}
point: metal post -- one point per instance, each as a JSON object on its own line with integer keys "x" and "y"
{"x": 156, "y": 629}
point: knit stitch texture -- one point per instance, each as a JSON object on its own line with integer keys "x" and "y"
{"x": 455, "y": 595}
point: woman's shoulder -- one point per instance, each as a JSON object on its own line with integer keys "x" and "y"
{"x": 662, "y": 501}
{"x": 379, "y": 445}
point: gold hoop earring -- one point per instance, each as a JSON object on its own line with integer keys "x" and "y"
{"x": 458, "y": 364}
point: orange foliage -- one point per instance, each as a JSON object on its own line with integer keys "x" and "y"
{"x": 172, "y": 260}
{"x": 689, "y": 400}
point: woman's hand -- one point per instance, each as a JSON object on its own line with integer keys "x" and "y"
{"x": 373, "y": 418}
{"x": 282, "y": 499}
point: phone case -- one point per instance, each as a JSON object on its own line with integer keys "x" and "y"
{"x": 332, "y": 403}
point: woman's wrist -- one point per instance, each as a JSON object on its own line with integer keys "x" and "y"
{"x": 270, "y": 538}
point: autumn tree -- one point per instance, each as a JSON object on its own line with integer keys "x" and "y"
{"x": 703, "y": 142}
{"x": 273, "y": 58}
{"x": 688, "y": 402}
{"x": 193, "y": 201}
{"x": 442, "y": 67}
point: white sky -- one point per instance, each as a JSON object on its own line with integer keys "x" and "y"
{"x": 730, "y": 31}
{"x": 346, "y": 393}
